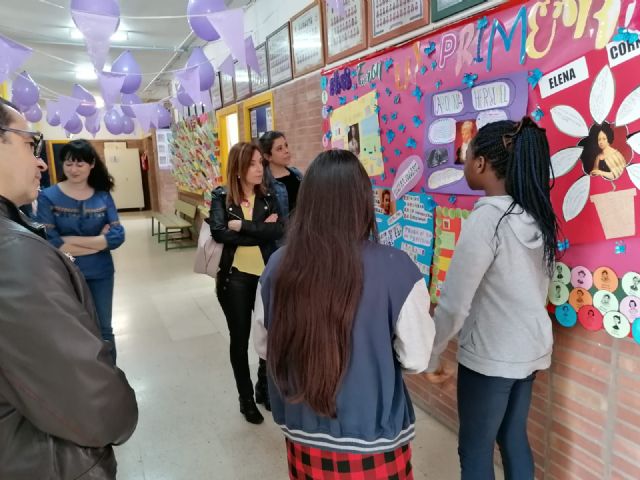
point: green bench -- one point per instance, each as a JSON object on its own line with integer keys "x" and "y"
{"x": 178, "y": 227}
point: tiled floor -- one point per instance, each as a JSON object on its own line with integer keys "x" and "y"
{"x": 172, "y": 343}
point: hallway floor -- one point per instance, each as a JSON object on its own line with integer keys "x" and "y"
{"x": 173, "y": 343}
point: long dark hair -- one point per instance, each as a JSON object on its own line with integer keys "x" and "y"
{"x": 590, "y": 146}
{"x": 316, "y": 296}
{"x": 81, "y": 150}
{"x": 267, "y": 140}
{"x": 519, "y": 153}
{"x": 240, "y": 157}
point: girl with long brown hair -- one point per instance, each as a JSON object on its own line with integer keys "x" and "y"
{"x": 341, "y": 318}
{"x": 244, "y": 218}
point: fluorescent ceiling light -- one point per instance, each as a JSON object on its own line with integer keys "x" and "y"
{"x": 86, "y": 72}
{"x": 119, "y": 36}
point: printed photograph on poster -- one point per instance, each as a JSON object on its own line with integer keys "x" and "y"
{"x": 390, "y": 18}
{"x": 354, "y": 127}
{"x": 243, "y": 87}
{"x": 457, "y": 116}
{"x": 407, "y": 224}
{"x": 227, "y": 88}
{"x": 345, "y": 34}
{"x": 445, "y": 8}
{"x": 307, "y": 40}
{"x": 260, "y": 81}
{"x": 593, "y": 127}
{"x": 279, "y": 56}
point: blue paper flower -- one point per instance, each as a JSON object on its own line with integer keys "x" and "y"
{"x": 411, "y": 142}
{"x": 402, "y": 127}
{"x": 534, "y": 77}
{"x": 381, "y": 149}
{"x": 390, "y": 136}
{"x": 388, "y": 91}
{"x": 430, "y": 49}
{"x": 377, "y": 95}
{"x": 323, "y": 82}
{"x": 624, "y": 35}
{"x": 423, "y": 70}
{"x": 382, "y": 177}
{"x": 328, "y": 134}
{"x": 621, "y": 248}
{"x": 397, "y": 152}
{"x": 469, "y": 79}
{"x": 453, "y": 199}
{"x": 388, "y": 64}
{"x": 537, "y": 114}
{"x": 373, "y": 84}
{"x": 396, "y": 99}
{"x": 377, "y": 109}
{"x": 329, "y": 109}
{"x": 417, "y": 93}
{"x": 354, "y": 73}
{"x": 434, "y": 65}
{"x": 563, "y": 245}
{"x": 385, "y": 159}
{"x": 355, "y": 97}
{"x": 417, "y": 121}
{"x": 430, "y": 203}
{"x": 438, "y": 84}
{"x": 342, "y": 100}
{"x": 394, "y": 115}
{"x": 483, "y": 23}
{"x": 384, "y": 117}
{"x": 354, "y": 86}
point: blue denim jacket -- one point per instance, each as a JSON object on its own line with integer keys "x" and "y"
{"x": 280, "y": 191}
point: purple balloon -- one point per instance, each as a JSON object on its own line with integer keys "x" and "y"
{"x": 127, "y": 125}
{"x": 74, "y": 125}
{"x": 109, "y": 8}
{"x": 92, "y": 124}
{"x": 183, "y": 97}
{"x": 126, "y": 64}
{"x": 25, "y": 91}
{"x": 113, "y": 121}
{"x": 53, "y": 116}
{"x": 88, "y": 106}
{"x": 164, "y": 117}
{"x": 34, "y": 114}
{"x": 207, "y": 73}
{"x": 200, "y": 25}
{"x": 129, "y": 99}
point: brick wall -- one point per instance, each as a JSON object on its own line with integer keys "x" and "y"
{"x": 585, "y": 414}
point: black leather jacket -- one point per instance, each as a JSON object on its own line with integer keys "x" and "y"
{"x": 253, "y": 233}
{"x": 62, "y": 402}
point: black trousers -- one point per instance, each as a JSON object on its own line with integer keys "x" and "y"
{"x": 236, "y": 293}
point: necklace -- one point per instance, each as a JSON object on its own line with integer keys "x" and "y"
{"x": 245, "y": 203}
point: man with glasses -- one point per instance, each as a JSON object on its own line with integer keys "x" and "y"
{"x": 63, "y": 403}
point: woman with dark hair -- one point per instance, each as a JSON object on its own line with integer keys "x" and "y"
{"x": 82, "y": 220}
{"x": 507, "y": 246}
{"x": 281, "y": 178}
{"x": 341, "y": 318}
{"x": 244, "y": 219}
{"x": 609, "y": 162}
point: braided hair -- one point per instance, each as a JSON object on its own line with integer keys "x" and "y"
{"x": 519, "y": 153}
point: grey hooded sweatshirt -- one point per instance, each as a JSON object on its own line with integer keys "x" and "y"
{"x": 495, "y": 294}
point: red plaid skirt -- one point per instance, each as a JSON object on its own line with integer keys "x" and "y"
{"x": 306, "y": 463}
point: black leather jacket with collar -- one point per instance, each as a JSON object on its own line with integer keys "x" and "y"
{"x": 254, "y": 232}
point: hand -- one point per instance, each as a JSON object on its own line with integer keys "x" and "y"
{"x": 441, "y": 375}
{"x": 106, "y": 229}
{"x": 235, "y": 225}
{"x": 273, "y": 218}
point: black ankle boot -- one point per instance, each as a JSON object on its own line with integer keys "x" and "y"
{"x": 250, "y": 411}
{"x": 262, "y": 396}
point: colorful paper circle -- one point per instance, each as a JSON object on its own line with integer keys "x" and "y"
{"x": 605, "y": 301}
{"x": 566, "y": 315}
{"x": 630, "y": 306}
{"x": 581, "y": 278}
{"x": 631, "y": 284}
{"x": 325, "y": 141}
{"x": 325, "y": 97}
{"x": 617, "y": 325}
{"x": 558, "y": 293}
{"x": 590, "y": 318}
{"x": 580, "y": 297}
{"x": 635, "y": 331}
{"x": 561, "y": 273}
{"x": 604, "y": 278}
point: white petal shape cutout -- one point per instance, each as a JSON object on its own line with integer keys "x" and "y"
{"x": 634, "y": 142}
{"x": 564, "y": 160}
{"x": 569, "y": 121}
{"x": 634, "y": 174}
{"x": 629, "y": 110}
{"x": 576, "y": 198}
{"x": 603, "y": 92}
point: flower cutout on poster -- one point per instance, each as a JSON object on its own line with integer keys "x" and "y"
{"x": 388, "y": 64}
{"x": 537, "y": 114}
{"x": 431, "y": 48}
{"x": 601, "y": 157}
{"x": 624, "y": 35}
{"x": 417, "y": 93}
{"x": 417, "y": 121}
{"x": 534, "y": 77}
{"x": 469, "y": 79}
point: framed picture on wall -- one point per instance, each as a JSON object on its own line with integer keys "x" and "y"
{"x": 279, "y": 56}
{"x": 227, "y": 89}
{"x": 243, "y": 85}
{"x": 216, "y": 95}
{"x": 445, "y": 8}
{"x": 347, "y": 34}
{"x": 307, "y": 43}
{"x": 260, "y": 80}
{"x": 390, "y": 18}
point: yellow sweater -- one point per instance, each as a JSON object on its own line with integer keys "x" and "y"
{"x": 249, "y": 259}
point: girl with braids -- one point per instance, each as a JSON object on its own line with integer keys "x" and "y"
{"x": 495, "y": 294}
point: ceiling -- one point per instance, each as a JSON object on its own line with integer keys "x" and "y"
{"x": 157, "y": 45}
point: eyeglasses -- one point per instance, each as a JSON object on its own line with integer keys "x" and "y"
{"x": 38, "y": 139}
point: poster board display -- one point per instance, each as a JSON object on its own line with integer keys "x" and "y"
{"x": 345, "y": 34}
{"x": 279, "y": 56}
{"x": 390, "y": 18}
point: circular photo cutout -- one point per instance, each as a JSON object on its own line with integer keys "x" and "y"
{"x": 590, "y": 318}
{"x": 617, "y": 325}
{"x": 580, "y": 297}
{"x": 630, "y": 306}
{"x": 605, "y": 301}
{"x": 605, "y": 278}
{"x": 566, "y": 315}
{"x": 558, "y": 293}
{"x": 581, "y": 278}
{"x": 631, "y": 284}
{"x": 561, "y": 273}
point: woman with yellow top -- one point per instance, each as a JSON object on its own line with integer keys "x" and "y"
{"x": 243, "y": 218}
